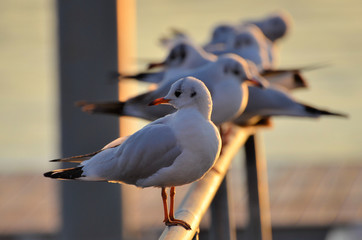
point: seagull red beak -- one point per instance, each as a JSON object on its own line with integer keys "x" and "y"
{"x": 159, "y": 101}
{"x": 255, "y": 83}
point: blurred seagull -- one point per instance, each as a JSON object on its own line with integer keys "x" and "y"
{"x": 226, "y": 80}
{"x": 274, "y": 26}
{"x": 186, "y": 56}
{"x": 274, "y": 101}
{"x": 251, "y": 44}
{"x": 183, "y": 56}
{"x": 221, "y": 34}
{"x": 177, "y": 149}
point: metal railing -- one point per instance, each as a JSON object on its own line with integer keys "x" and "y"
{"x": 201, "y": 194}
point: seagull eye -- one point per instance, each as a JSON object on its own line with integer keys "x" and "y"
{"x": 236, "y": 71}
{"x": 177, "y": 93}
{"x": 193, "y": 94}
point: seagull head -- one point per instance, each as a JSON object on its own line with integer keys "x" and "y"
{"x": 275, "y": 26}
{"x": 237, "y": 68}
{"x": 222, "y": 33}
{"x": 249, "y": 36}
{"x": 175, "y": 58}
{"x": 219, "y": 38}
{"x": 250, "y": 43}
{"x": 187, "y": 55}
{"x": 188, "y": 92}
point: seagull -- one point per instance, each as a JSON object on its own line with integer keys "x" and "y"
{"x": 185, "y": 56}
{"x": 275, "y": 101}
{"x": 221, "y": 34}
{"x": 177, "y": 149}
{"x": 274, "y": 26}
{"x": 250, "y": 43}
{"x": 226, "y": 79}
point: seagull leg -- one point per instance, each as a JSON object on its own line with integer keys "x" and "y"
{"x": 170, "y": 220}
{"x": 164, "y": 201}
{"x": 172, "y": 203}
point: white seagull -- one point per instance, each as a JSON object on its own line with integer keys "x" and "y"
{"x": 177, "y": 149}
{"x": 226, "y": 80}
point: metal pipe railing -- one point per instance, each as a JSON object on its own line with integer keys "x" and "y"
{"x": 201, "y": 193}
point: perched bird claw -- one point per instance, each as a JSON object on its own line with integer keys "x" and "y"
{"x": 177, "y": 222}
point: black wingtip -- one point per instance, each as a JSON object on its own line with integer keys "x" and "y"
{"x": 48, "y": 174}
{"x": 324, "y": 112}
{"x": 344, "y": 115}
{"x": 68, "y": 173}
{"x": 55, "y": 160}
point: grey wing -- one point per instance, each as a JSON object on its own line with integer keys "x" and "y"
{"x": 147, "y": 151}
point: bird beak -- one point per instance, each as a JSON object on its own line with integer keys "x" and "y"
{"x": 159, "y": 101}
{"x": 154, "y": 65}
{"x": 255, "y": 82}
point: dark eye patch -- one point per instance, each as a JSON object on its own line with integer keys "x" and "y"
{"x": 173, "y": 55}
{"x": 183, "y": 51}
{"x": 236, "y": 71}
{"x": 238, "y": 43}
{"x": 177, "y": 93}
{"x": 193, "y": 94}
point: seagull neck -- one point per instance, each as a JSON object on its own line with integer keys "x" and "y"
{"x": 205, "y": 111}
